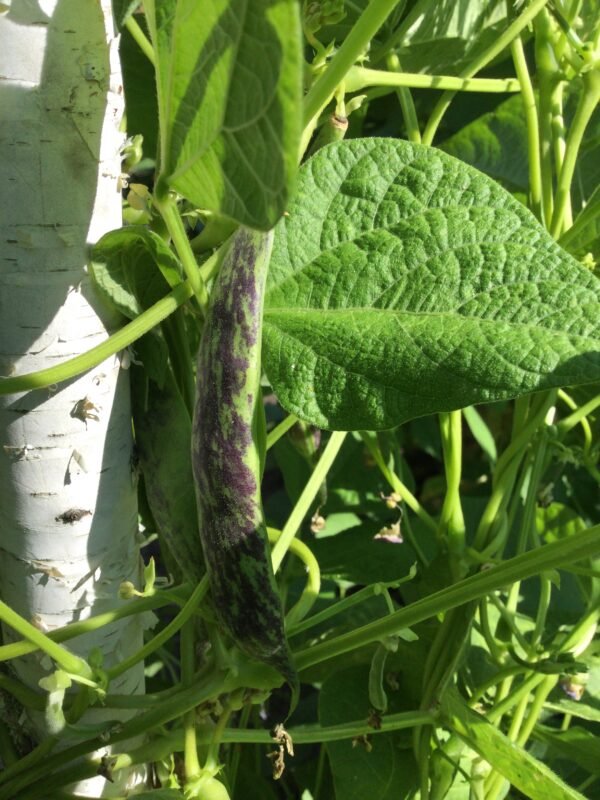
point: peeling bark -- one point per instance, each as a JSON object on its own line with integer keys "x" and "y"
{"x": 68, "y": 505}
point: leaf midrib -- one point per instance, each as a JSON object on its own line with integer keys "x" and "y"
{"x": 287, "y": 312}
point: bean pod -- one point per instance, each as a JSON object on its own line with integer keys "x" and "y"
{"x": 227, "y": 440}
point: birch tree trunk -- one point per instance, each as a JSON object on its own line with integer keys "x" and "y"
{"x": 68, "y": 508}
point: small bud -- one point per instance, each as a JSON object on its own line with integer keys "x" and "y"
{"x": 392, "y": 500}
{"x": 127, "y": 591}
{"x": 317, "y": 522}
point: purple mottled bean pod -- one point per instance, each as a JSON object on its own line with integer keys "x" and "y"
{"x": 226, "y": 459}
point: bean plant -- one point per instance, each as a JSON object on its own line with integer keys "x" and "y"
{"x": 358, "y": 284}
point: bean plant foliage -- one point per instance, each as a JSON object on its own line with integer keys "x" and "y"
{"x": 358, "y": 279}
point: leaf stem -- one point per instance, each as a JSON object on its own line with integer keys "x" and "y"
{"x": 91, "y": 358}
{"x": 513, "y": 30}
{"x": 347, "y": 602}
{"x": 588, "y": 100}
{"x": 549, "y": 556}
{"x": 141, "y": 39}
{"x": 452, "y": 522}
{"x": 280, "y": 430}
{"x": 546, "y": 71}
{"x": 68, "y": 661}
{"x": 409, "y": 113}
{"x": 167, "y": 632}
{"x": 307, "y": 497}
{"x": 579, "y": 415}
{"x": 359, "y": 78}
{"x": 363, "y": 30}
{"x": 533, "y": 126}
{"x": 138, "y": 606}
{"x": 506, "y": 469}
{"x": 190, "y": 748}
{"x": 396, "y": 484}
{"x": 313, "y": 583}
{"x": 167, "y": 206}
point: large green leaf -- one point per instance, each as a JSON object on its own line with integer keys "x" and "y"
{"x": 229, "y": 76}
{"x": 526, "y": 773}
{"x": 124, "y": 267}
{"x": 404, "y": 283}
{"x": 445, "y": 36}
{"x": 378, "y": 768}
{"x": 496, "y": 143}
{"x": 575, "y": 744}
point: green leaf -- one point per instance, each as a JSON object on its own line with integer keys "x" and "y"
{"x": 385, "y": 772}
{"x": 405, "y": 283}
{"x": 356, "y": 556}
{"x": 444, "y": 37}
{"x": 496, "y": 143}
{"x": 229, "y": 79}
{"x": 534, "y": 779}
{"x": 575, "y": 744}
{"x": 124, "y": 268}
{"x": 481, "y": 432}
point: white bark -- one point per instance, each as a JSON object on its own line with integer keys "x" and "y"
{"x": 68, "y": 447}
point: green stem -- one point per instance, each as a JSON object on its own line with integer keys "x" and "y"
{"x": 549, "y": 556}
{"x": 588, "y": 100}
{"x": 537, "y": 706}
{"x": 68, "y": 661}
{"x": 506, "y": 470}
{"x": 211, "y": 764}
{"x": 581, "y": 635}
{"x": 354, "y": 599}
{"x": 363, "y": 30}
{"x": 499, "y": 677}
{"x": 527, "y": 532}
{"x": 158, "y": 600}
{"x": 495, "y": 648}
{"x": 167, "y": 632}
{"x": 542, "y": 613}
{"x": 313, "y": 583}
{"x": 162, "y": 747}
{"x": 359, "y": 78}
{"x": 91, "y": 358}
{"x": 27, "y": 762}
{"x": 141, "y": 724}
{"x": 167, "y": 206}
{"x": 281, "y": 429}
{"x": 26, "y": 696}
{"x": 181, "y": 359}
{"x": 141, "y": 39}
{"x": 579, "y": 416}
{"x": 559, "y": 145}
{"x": 509, "y": 621}
{"x": 307, "y": 497}
{"x": 533, "y": 127}
{"x": 547, "y": 70}
{"x": 190, "y": 748}
{"x": 504, "y": 40}
{"x": 411, "y": 122}
{"x": 515, "y": 696}
{"x": 397, "y": 485}
{"x": 452, "y": 522}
